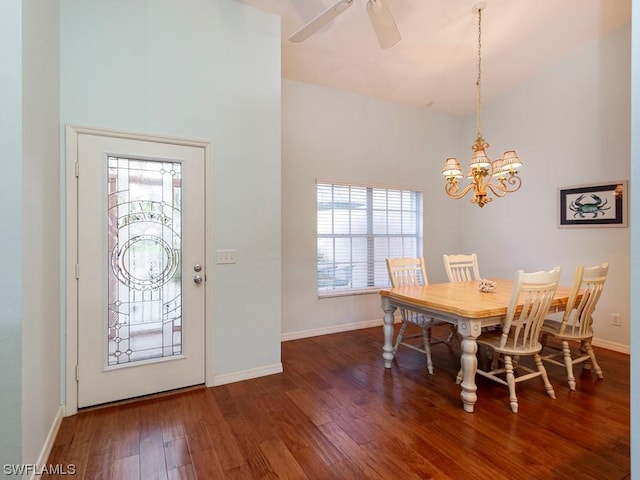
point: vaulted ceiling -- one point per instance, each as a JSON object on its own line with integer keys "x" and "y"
{"x": 435, "y": 63}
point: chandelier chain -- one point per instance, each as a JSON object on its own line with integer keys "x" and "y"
{"x": 478, "y": 84}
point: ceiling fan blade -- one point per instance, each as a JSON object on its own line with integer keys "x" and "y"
{"x": 320, "y": 21}
{"x": 383, "y": 23}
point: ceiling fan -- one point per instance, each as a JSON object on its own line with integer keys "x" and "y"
{"x": 379, "y": 15}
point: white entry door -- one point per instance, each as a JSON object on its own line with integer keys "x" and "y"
{"x": 140, "y": 267}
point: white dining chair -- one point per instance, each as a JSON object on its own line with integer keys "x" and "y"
{"x": 461, "y": 267}
{"x": 576, "y": 324}
{"x": 407, "y": 272}
{"x": 520, "y": 333}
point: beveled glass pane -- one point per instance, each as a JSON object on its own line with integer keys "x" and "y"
{"x": 144, "y": 245}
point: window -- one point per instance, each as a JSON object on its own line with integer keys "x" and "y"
{"x": 358, "y": 228}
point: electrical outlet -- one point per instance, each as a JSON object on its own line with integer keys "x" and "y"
{"x": 226, "y": 256}
{"x": 615, "y": 319}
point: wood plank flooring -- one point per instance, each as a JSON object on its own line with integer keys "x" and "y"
{"x": 336, "y": 413}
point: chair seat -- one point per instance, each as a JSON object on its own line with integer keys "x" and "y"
{"x": 492, "y": 339}
{"x": 552, "y": 327}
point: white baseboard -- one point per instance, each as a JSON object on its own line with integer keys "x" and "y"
{"x": 277, "y": 368}
{"x": 616, "y": 347}
{"x": 48, "y": 444}
{"x": 245, "y": 375}
{"x": 345, "y": 327}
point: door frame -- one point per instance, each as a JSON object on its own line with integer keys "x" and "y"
{"x": 70, "y": 256}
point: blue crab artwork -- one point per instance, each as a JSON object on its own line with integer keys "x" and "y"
{"x": 581, "y": 208}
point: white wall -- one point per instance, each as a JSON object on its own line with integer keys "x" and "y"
{"x": 210, "y": 70}
{"x": 570, "y": 125}
{"x": 338, "y": 136}
{"x": 11, "y": 293}
{"x": 41, "y": 227}
{"x": 29, "y": 248}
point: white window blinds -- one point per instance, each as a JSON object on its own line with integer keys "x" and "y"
{"x": 358, "y": 228}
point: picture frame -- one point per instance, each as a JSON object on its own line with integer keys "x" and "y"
{"x": 594, "y": 205}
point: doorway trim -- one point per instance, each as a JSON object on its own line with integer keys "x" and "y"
{"x": 72, "y": 132}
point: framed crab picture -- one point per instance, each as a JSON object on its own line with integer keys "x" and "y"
{"x": 596, "y": 205}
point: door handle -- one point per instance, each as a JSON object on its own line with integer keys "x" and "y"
{"x": 197, "y": 278}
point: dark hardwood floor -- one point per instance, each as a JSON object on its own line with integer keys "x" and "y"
{"x": 336, "y": 413}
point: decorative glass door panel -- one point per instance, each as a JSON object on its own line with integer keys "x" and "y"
{"x": 144, "y": 287}
{"x": 140, "y": 265}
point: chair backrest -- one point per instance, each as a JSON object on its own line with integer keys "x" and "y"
{"x": 578, "y": 316}
{"x": 534, "y": 291}
{"x": 407, "y": 271}
{"x": 461, "y": 268}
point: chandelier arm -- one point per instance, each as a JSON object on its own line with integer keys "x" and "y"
{"x": 452, "y": 190}
{"x": 497, "y": 191}
{"x": 508, "y": 185}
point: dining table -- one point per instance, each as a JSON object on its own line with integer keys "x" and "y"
{"x": 464, "y": 305}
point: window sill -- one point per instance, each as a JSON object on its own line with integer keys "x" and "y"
{"x": 348, "y": 293}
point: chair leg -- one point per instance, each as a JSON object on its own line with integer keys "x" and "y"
{"x": 583, "y": 351}
{"x": 511, "y": 382}
{"x": 484, "y": 356}
{"x": 399, "y": 338}
{"x": 592, "y": 356}
{"x": 568, "y": 363}
{"x": 453, "y": 337}
{"x": 543, "y": 341}
{"x": 426, "y": 333}
{"x": 495, "y": 360}
{"x": 543, "y": 373}
{"x": 516, "y": 361}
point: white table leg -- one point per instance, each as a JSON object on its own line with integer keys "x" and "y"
{"x": 469, "y": 330}
{"x": 387, "y": 328}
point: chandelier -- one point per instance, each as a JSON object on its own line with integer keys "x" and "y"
{"x": 498, "y": 177}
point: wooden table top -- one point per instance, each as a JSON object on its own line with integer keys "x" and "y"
{"x": 464, "y": 299}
